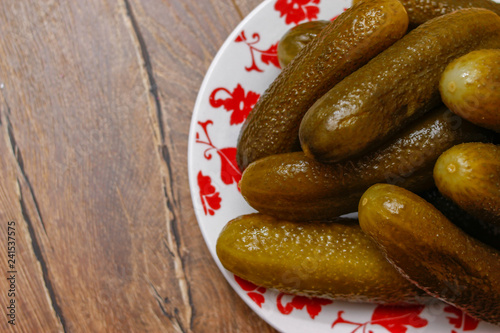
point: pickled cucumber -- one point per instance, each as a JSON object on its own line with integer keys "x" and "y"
{"x": 335, "y": 260}
{"x": 483, "y": 231}
{"x": 432, "y": 252}
{"x": 420, "y": 11}
{"x": 343, "y": 46}
{"x": 295, "y": 187}
{"x": 397, "y": 86}
{"x": 470, "y": 87}
{"x": 469, "y": 174}
{"x": 296, "y": 38}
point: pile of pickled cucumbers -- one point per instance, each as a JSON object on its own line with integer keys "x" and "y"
{"x": 392, "y": 110}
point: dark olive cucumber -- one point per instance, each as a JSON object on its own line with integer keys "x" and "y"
{"x": 296, "y": 38}
{"x": 483, "y": 231}
{"x": 469, "y": 174}
{"x": 335, "y": 260}
{"x": 470, "y": 87}
{"x": 296, "y": 187}
{"x": 401, "y": 83}
{"x": 421, "y": 11}
{"x": 343, "y": 46}
{"x": 431, "y": 251}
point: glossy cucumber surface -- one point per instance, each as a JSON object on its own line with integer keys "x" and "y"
{"x": 296, "y": 38}
{"x": 343, "y": 46}
{"x": 470, "y": 87}
{"x": 400, "y": 84}
{"x": 296, "y": 187}
{"x": 469, "y": 174}
{"x": 483, "y": 231}
{"x": 421, "y": 11}
{"x": 431, "y": 251}
{"x": 335, "y": 260}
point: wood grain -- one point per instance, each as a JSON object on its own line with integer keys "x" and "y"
{"x": 30, "y": 288}
{"x": 96, "y": 100}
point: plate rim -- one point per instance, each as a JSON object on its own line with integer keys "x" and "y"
{"x": 260, "y": 312}
{"x": 192, "y": 137}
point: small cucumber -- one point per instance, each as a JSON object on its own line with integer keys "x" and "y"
{"x": 431, "y": 251}
{"x": 470, "y": 87}
{"x": 469, "y": 174}
{"x": 397, "y": 86}
{"x": 343, "y": 46}
{"x": 335, "y": 260}
{"x": 296, "y": 38}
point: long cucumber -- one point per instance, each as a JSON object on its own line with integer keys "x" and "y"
{"x": 394, "y": 88}
{"x": 346, "y": 44}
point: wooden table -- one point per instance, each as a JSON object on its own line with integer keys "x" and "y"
{"x": 96, "y": 99}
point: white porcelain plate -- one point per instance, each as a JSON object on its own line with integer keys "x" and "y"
{"x": 243, "y": 68}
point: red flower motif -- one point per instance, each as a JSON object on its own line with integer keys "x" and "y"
{"x": 313, "y": 304}
{"x": 238, "y": 103}
{"x": 461, "y": 319}
{"x": 210, "y": 198}
{"x": 394, "y": 319}
{"x": 269, "y": 56}
{"x": 229, "y": 173}
{"x": 296, "y": 11}
{"x": 249, "y": 287}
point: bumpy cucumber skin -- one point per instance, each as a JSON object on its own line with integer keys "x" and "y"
{"x": 395, "y": 87}
{"x": 296, "y": 38}
{"x": 432, "y": 252}
{"x": 483, "y": 231}
{"x": 335, "y": 260}
{"x": 469, "y": 174}
{"x": 470, "y": 87}
{"x": 346, "y": 44}
{"x": 295, "y": 187}
{"x": 421, "y": 11}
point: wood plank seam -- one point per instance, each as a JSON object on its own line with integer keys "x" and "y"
{"x": 153, "y": 88}
{"x": 43, "y": 265}
{"x": 172, "y": 245}
{"x": 31, "y": 230}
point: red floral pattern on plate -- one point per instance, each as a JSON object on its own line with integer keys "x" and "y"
{"x": 268, "y": 56}
{"x": 224, "y": 100}
{"x": 395, "y": 319}
{"x": 239, "y": 103}
{"x": 313, "y": 304}
{"x": 210, "y": 198}
{"x": 296, "y": 11}
{"x": 255, "y": 292}
{"x": 229, "y": 172}
{"x": 461, "y": 320}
